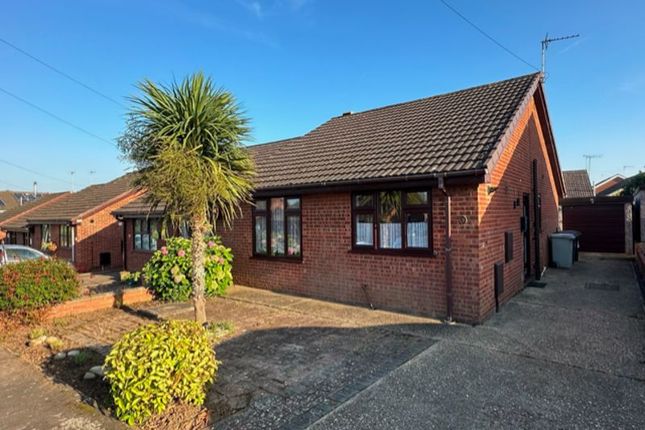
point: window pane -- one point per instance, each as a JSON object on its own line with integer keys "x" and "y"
{"x": 390, "y": 220}
{"x": 260, "y": 234}
{"x": 154, "y": 234}
{"x": 293, "y": 230}
{"x": 293, "y": 203}
{"x": 261, "y": 205}
{"x": 145, "y": 241}
{"x": 364, "y": 230}
{"x": 277, "y": 226}
{"x": 417, "y": 229}
{"x": 364, "y": 200}
{"x": 137, "y": 234}
{"x": 417, "y": 198}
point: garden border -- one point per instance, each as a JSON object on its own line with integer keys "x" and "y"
{"x": 114, "y": 299}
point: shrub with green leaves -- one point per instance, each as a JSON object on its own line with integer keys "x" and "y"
{"x": 34, "y": 284}
{"x": 159, "y": 363}
{"x": 168, "y": 272}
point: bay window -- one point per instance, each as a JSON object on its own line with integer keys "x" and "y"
{"x": 277, "y": 227}
{"x": 392, "y": 221}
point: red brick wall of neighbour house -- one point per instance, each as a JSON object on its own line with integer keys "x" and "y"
{"x": 329, "y": 269}
{"x": 97, "y": 233}
{"x": 497, "y": 214}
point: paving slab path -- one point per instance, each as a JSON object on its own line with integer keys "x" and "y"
{"x": 30, "y": 401}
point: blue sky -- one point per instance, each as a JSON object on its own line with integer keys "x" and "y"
{"x": 295, "y": 63}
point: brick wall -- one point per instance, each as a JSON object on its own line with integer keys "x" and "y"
{"x": 330, "y": 270}
{"x": 500, "y": 212}
{"x": 98, "y": 233}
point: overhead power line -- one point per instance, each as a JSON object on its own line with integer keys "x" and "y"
{"x": 56, "y": 117}
{"x": 61, "y": 73}
{"x": 14, "y": 186}
{"x": 26, "y": 169}
{"x": 488, "y": 36}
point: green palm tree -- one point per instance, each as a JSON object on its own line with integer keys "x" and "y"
{"x": 185, "y": 141}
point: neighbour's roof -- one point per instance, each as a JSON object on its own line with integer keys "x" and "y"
{"x": 617, "y": 176}
{"x": 616, "y": 188}
{"x": 577, "y": 183}
{"x": 612, "y": 189}
{"x": 138, "y": 207}
{"x": 450, "y": 133}
{"x": 83, "y": 202}
{"x": 16, "y": 219}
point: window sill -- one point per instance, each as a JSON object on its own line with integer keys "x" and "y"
{"x": 296, "y": 260}
{"x": 395, "y": 252}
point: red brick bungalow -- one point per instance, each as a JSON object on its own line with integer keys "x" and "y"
{"x": 82, "y": 226}
{"x": 14, "y": 221}
{"x": 439, "y": 206}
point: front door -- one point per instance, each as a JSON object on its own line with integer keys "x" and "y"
{"x": 526, "y": 235}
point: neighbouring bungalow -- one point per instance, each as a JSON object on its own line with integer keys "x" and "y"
{"x": 14, "y": 221}
{"x": 611, "y": 183}
{"x": 577, "y": 184}
{"x": 439, "y": 206}
{"x": 82, "y": 227}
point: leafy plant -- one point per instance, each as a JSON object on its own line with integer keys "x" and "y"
{"x": 169, "y": 274}
{"x": 82, "y": 357}
{"x": 130, "y": 278}
{"x": 37, "y": 283}
{"x": 36, "y": 333}
{"x": 185, "y": 141}
{"x": 633, "y": 184}
{"x": 156, "y": 364}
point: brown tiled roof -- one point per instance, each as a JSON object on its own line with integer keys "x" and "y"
{"x": 16, "y": 218}
{"x": 138, "y": 207}
{"x": 449, "y": 133}
{"x": 577, "y": 183}
{"x": 88, "y": 199}
{"x": 8, "y": 200}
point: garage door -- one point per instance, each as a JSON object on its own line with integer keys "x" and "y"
{"x": 601, "y": 222}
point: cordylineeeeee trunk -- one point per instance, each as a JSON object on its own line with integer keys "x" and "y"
{"x": 199, "y": 274}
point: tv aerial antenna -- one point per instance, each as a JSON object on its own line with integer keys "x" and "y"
{"x": 545, "y": 45}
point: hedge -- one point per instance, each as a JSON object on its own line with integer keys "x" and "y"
{"x": 34, "y": 284}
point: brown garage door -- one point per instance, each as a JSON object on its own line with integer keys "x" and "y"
{"x": 600, "y": 220}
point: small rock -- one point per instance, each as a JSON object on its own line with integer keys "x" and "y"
{"x": 60, "y": 355}
{"x": 73, "y": 353}
{"x": 97, "y": 370}
{"x": 89, "y": 375}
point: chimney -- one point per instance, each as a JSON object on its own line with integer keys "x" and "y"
{"x": 35, "y": 189}
{"x": 347, "y": 113}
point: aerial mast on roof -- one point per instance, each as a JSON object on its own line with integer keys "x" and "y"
{"x": 545, "y": 45}
{"x": 588, "y": 158}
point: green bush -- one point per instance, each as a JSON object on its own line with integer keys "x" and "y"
{"x": 34, "y": 284}
{"x": 159, "y": 363}
{"x": 168, "y": 272}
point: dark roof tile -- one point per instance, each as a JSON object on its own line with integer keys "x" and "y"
{"x": 76, "y": 204}
{"x": 453, "y": 132}
{"x": 577, "y": 183}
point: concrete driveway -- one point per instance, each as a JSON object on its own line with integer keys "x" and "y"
{"x": 569, "y": 355}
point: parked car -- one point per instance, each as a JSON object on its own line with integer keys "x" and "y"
{"x": 18, "y": 253}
